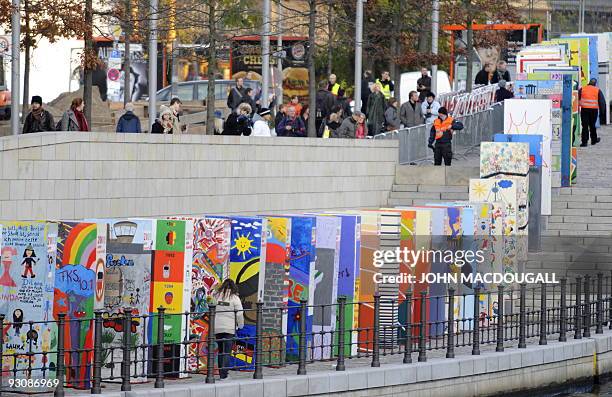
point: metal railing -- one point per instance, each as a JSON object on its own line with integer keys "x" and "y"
{"x": 478, "y": 127}
{"x": 414, "y": 323}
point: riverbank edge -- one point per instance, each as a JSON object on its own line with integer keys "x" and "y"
{"x": 512, "y": 372}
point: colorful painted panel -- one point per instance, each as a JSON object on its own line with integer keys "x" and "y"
{"x": 504, "y": 158}
{"x": 325, "y": 284}
{"x": 74, "y": 294}
{"x": 301, "y": 276}
{"x": 27, "y": 276}
{"x": 247, "y": 269}
{"x": 211, "y": 247}
{"x": 278, "y": 254}
{"x": 533, "y": 116}
{"x": 534, "y": 141}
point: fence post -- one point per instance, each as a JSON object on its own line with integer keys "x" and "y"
{"x": 610, "y": 303}
{"x": 125, "y": 362}
{"x": 500, "y": 319}
{"x": 97, "y": 359}
{"x": 476, "y": 325}
{"x": 422, "y": 328}
{"x": 376, "y": 333}
{"x": 159, "y": 369}
{"x": 302, "y": 338}
{"x": 258, "y": 374}
{"x": 450, "y": 341}
{"x": 1, "y": 350}
{"x": 60, "y": 373}
{"x": 341, "y": 331}
{"x": 599, "y": 307}
{"x": 408, "y": 327}
{"x": 523, "y": 317}
{"x": 543, "y": 314}
{"x": 563, "y": 313}
{"x": 578, "y": 314}
{"x": 210, "y": 348}
{"x": 587, "y": 306}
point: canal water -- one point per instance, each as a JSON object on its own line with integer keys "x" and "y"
{"x": 604, "y": 390}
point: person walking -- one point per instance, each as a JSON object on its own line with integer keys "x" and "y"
{"x": 261, "y": 123}
{"x": 175, "y": 106}
{"x": 430, "y": 107}
{"x": 163, "y": 125}
{"x": 366, "y": 84}
{"x": 332, "y": 85}
{"x": 592, "y": 101}
{"x": 423, "y": 84}
{"x": 236, "y": 94}
{"x": 376, "y": 111}
{"x": 386, "y": 85}
{"x": 442, "y": 135}
{"x": 350, "y": 126}
{"x": 392, "y": 120}
{"x": 39, "y": 119}
{"x": 74, "y": 118}
{"x": 129, "y": 122}
{"x": 292, "y": 125}
{"x": 501, "y": 73}
{"x": 228, "y": 319}
{"x": 411, "y": 112}
{"x": 503, "y": 93}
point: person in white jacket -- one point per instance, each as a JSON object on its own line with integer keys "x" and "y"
{"x": 261, "y": 122}
{"x": 430, "y": 108}
{"x": 228, "y": 319}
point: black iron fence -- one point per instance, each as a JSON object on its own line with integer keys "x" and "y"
{"x": 415, "y": 323}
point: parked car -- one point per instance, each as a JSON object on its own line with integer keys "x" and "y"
{"x": 198, "y": 90}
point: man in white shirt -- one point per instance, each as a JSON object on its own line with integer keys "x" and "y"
{"x": 261, "y": 123}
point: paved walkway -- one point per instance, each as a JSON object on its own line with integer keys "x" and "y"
{"x": 595, "y": 162}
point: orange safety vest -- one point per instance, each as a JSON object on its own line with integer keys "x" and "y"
{"x": 589, "y": 97}
{"x": 442, "y": 126}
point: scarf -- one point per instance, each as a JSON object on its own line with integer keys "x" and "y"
{"x": 37, "y": 114}
{"x": 82, "y": 121}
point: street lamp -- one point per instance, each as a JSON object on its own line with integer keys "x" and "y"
{"x": 15, "y": 75}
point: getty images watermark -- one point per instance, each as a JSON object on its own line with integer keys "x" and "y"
{"x": 458, "y": 258}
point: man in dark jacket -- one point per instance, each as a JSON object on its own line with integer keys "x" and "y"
{"x": 248, "y": 98}
{"x": 423, "y": 85}
{"x": 366, "y": 82}
{"x": 501, "y": 73}
{"x": 292, "y": 125}
{"x": 343, "y": 103}
{"x": 325, "y": 102}
{"x": 503, "y": 93}
{"x": 411, "y": 112}
{"x": 129, "y": 122}
{"x": 38, "y": 120}
{"x": 236, "y": 95}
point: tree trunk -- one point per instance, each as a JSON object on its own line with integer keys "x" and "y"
{"x": 394, "y": 69}
{"x": 87, "y": 70}
{"x": 26, "y": 70}
{"x": 330, "y": 30}
{"x": 212, "y": 67}
{"x": 312, "y": 82}
{"x": 469, "y": 48}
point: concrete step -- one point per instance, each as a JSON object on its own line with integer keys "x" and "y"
{"x": 414, "y": 195}
{"x": 393, "y": 202}
{"x": 443, "y": 189}
{"x": 580, "y": 219}
{"x": 592, "y": 205}
{"x": 575, "y": 212}
{"x": 604, "y": 191}
{"x": 404, "y": 188}
{"x": 576, "y": 227}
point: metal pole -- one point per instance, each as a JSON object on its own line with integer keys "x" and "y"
{"x": 15, "y": 70}
{"x": 563, "y": 314}
{"x": 587, "y": 307}
{"x": 422, "y": 328}
{"x": 175, "y": 55}
{"x": 523, "y": 318}
{"x": 61, "y": 353}
{"x": 127, "y": 341}
{"x": 159, "y": 370}
{"x": 210, "y": 346}
{"x": 578, "y": 313}
{"x": 543, "y": 314}
{"x": 127, "y": 65}
{"x": 358, "y": 52}
{"x": 258, "y": 374}
{"x": 376, "y": 333}
{"x": 341, "y": 331}
{"x": 265, "y": 56}
{"x": 500, "y": 319}
{"x": 152, "y": 62}
{"x": 97, "y": 361}
{"x": 599, "y": 305}
{"x": 435, "y": 19}
{"x": 302, "y": 338}
{"x": 476, "y": 325}
{"x": 408, "y": 342}
{"x": 450, "y": 344}
{"x": 279, "y": 45}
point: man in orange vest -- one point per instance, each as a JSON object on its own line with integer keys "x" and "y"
{"x": 592, "y": 101}
{"x": 441, "y": 133}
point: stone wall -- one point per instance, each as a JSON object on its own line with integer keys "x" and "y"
{"x": 80, "y": 175}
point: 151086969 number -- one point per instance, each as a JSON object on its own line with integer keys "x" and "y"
{"x": 32, "y": 383}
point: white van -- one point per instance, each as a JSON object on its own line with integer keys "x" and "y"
{"x": 409, "y": 83}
